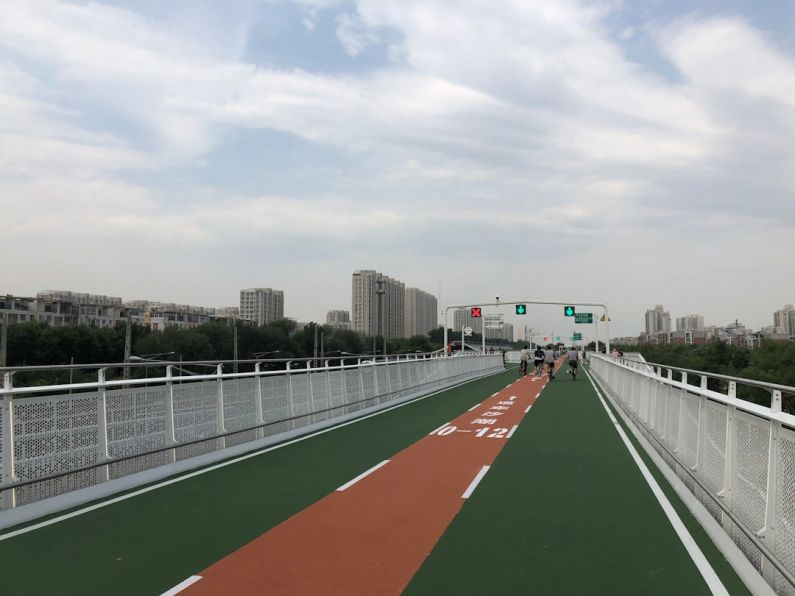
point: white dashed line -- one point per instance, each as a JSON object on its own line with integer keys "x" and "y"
{"x": 182, "y": 585}
{"x": 350, "y": 483}
{"x": 473, "y": 485}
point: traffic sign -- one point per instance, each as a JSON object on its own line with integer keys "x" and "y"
{"x": 521, "y": 309}
{"x": 467, "y": 330}
{"x": 476, "y": 312}
{"x": 568, "y": 311}
{"x": 577, "y": 336}
{"x": 583, "y": 317}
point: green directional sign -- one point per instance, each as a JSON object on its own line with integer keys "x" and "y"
{"x": 577, "y": 336}
{"x": 583, "y": 317}
{"x": 568, "y": 311}
{"x": 521, "y": 309}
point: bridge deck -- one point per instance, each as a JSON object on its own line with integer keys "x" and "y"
{"x": 563, "y": 509}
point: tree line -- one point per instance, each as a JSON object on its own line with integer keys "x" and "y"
{"x": 771, "y": 361}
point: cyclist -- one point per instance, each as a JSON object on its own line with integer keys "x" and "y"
{"x": 538, "y": 360}
{"x": 549, "y": 358}
{"x": 524, "y": 357}
{"x": 574, "y": 359}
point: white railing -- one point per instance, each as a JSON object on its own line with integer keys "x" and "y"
{"x": 736, "y": 456}
{"x": 53, "y": 443}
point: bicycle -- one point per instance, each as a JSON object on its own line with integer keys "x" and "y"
{"x": 573, "y": 370}
{"x": 551, "y": 366}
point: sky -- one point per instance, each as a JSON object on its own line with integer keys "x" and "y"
{"x": 629, "y": 152}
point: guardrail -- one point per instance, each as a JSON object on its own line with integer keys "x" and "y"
{"x": 53, "y": 442}
{"x": 736, "y": 456}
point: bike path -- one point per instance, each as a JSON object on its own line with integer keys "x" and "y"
{"x": 565, "y": 510}
{"x": 153, "y": 541}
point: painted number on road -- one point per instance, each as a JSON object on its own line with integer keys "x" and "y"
{"x": 492, "y": 433}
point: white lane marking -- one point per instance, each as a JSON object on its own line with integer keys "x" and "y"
{"x": 513, "y": 397}
{"x": 473, "y": 485}
{"x": 513, "y": 430}
{"x": 706, "y": 570}
{"x": 223, "y": 464}
{"x": 473, "y": 407}
{"x": 433, "y": 432}
{"x": 182, "y": 585}
{"x": 495, "y": 394}
{"x": 527, "y": 409}
{"x": 350, "y": 483}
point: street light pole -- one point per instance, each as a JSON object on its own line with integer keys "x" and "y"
{"x": 380, "y": 314}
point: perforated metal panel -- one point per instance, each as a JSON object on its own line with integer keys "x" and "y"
{"x": 320, "y": 397}
{"x": 240, "y": 407}
{"x": 275, "y": 402}
{"x": 749, "y": 469}
{"x": 136, "y": 423}
{"x": 673, "y": 399}
{"x": 55, "y": 434}
{"x": 368, "y": 376}
{"x": 713, "y": 445}
{"x": 785, "y": 509}
{"x": 301, "y": 397}
{"x": 688, "y": 430}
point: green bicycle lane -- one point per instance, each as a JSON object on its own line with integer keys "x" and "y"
{"x": 565, "y": 510}
{"x": 151, "y": 542}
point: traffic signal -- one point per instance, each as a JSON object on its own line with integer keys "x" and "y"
{"x": 568, "y": 311}
{"x": 475, "y": 312}
{"x": 521, "y": 309}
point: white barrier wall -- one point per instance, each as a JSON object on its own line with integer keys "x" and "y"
{"x": 122, "y": 427}
{"x": 737, "y": 457}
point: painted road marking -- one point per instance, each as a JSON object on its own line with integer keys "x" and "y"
{"x": 182, "y": 585}
{"x": 527, "y": 409}
{"x": 495, "y": 394}
{"x": 436, "y": 430}
{"x": 513, "y": 397}
{"x": 473, "y": 407}
{"x": 473, "y": 485}
{"x": 706, "y": 570}
{"x": 350, "y": 483}
{"x": 513, "y": 430}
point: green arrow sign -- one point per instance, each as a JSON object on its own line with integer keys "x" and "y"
{"x": 568, "y": 311}
{"x": 521, "y": 309}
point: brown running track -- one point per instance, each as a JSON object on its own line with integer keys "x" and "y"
{"x": 372, "y": 537}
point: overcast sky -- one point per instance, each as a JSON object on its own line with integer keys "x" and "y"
{"x": 635, "y": 152}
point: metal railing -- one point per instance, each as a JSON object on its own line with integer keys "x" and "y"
{"x": 736, "y": 456}
{"x": 59, "y": 438}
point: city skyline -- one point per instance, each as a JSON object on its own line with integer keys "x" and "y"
{"x": 185, "y": 150}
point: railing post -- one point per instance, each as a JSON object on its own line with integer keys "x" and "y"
{"x": 171, "y": 434}
{"x": 328, "y": 389}
{"x": 290, "y": 395}
{"x": 258, "y": 397}
{"x": 102, "y": 427}
{"x": 220, "y": 422}
{"x": 375, "y": 383}
{"x": 361, "y": 381}
{"x": 728, "y": 465}
{"x": 9, "y": 497}
{"x": 311, "y": 392}
{"x": 768, "y": 533}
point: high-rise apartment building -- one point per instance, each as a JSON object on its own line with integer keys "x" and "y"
{"x": 339, "y": 319}
{"x": 658, "y": 321}
{"x": 261, "y": 305}
{"x": 690, "y": 323}
{"x": 421, "y": 312}
{"x": 784, "y": 320}
{"x": 462, "y": 317}
{"x": 368, "y": 287}
{"x": 504, "y": 333}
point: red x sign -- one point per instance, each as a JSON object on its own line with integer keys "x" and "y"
{"x": 476, "y": 312}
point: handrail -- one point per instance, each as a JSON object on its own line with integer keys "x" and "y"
{"x": 5, "y": 391}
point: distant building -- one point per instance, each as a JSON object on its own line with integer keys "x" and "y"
{"x": 503, "y": 334}
{"x": 784, "y": 320}
{"x": 421, "y": 310}
{"x": 261, "y": 305}
{"x": 690, "y": 323}
{"x": 228, "y": 313}
{"x": 365, "y": 315}
{"x": 658, "y": 321}
{"x": 630, "y": 340}
{"x": 17, "y": 309}
{"x": 339, "y": 319}
{"x": 78, "y": 298}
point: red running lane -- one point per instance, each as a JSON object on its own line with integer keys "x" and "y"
{"x": 372, "y": 537}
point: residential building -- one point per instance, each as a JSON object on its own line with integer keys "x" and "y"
{"x": 261, "y": 305}
{"x": 658, "y": 320}
{"x": 502, "y": 334}
{"x": 421, "y": 310}
{"x": 339, "y": 319}
{"x": 17, "y": 309}
{"x": 690, "y": 323}
{"x": 462, "y": 317}
{"x": 80, "y": 298}
{"x": 367, "y": 308}
{"x": 784, "y": 320}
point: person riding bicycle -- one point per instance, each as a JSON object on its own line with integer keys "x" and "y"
{"x": 538, "y": 360}
{"x": 574, "y": 359}
{"x": 549, "y": 358}
{"x": 524, "y": 358}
